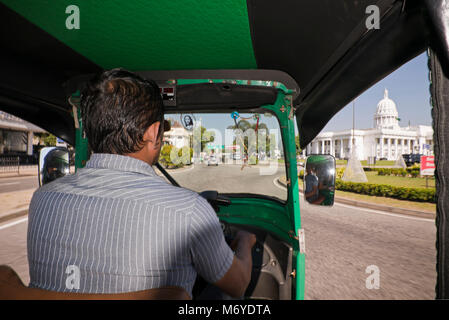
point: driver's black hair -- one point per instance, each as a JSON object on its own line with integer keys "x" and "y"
{"x": 117, "y": 107}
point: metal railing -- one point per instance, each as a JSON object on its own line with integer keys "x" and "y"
{"x": 10, "y": 164}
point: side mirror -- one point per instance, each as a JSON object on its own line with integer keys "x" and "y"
{"x": 319, "y": 179}
{"x": 53, "y": 164}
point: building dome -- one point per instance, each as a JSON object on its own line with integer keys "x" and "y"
{"x": 386, "y": 115}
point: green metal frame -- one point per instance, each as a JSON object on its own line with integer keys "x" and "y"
{"x": 81, "y": 143}
{"x": 283, "y": 220}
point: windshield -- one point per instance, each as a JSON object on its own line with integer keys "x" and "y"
{"x": 227, "y": 152}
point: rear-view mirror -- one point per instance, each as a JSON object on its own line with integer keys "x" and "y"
{"x": 319, "y": 180}
{"x": 53, "y": 164}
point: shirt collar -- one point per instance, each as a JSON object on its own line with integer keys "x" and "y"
{"x": 119, "y": 162}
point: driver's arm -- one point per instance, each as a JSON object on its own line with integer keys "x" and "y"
{"x": 312, "y": 193}
{"x": 237, "y": 279}
{"x": 212, "y": 257}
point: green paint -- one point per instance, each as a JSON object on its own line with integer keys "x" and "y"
{"x": 81, "y": 143}
{"x": 282, "y": 108}
{"x": 150, "y": 35}
{"x": 266, "y": 214}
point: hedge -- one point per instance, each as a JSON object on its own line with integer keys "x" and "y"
{"x": 383, "y": 190}
{"x": 412, "y": 171}
{"x": 181, "y": 157}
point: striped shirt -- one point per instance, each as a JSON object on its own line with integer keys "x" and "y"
{"x": 116, "y": 226}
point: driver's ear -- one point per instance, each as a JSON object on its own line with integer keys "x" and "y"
{"x": 151, "y": 133}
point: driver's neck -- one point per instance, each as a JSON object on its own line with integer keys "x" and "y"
{"x": 147, "y": 154}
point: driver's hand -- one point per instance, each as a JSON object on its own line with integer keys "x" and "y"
{"x": 242, "y": 237}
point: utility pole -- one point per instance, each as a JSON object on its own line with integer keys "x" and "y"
{"x": 353, "y": 124}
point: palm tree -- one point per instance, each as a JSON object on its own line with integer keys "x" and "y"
{"x": 245, "y": 125}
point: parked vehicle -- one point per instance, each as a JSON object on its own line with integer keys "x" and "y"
{"x": 236, "y": 156}
{"x": 212, "y": 160}
{"x": 412, "y": 158}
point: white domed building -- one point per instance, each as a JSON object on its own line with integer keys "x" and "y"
{"x": 387, "y": 140}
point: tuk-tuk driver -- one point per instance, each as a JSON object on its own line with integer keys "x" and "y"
{"x": 119, "y": 224}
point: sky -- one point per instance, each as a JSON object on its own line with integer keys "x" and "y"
{"x": 408, "y": 87}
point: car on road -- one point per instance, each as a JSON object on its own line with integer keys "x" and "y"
{"x": 212, "y": 160}
{"x": 236, "y": 156}
{"x": 412, "y": 158}
{"x": 298, "y": 61}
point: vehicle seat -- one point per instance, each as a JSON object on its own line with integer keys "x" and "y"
{"x": 12, "y": 288}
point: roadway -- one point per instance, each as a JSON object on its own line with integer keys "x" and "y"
{"x": 341, "y": 242}
{"x": 12, "y": 184}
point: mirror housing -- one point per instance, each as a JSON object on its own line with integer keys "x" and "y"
{"x": 319, "y": 179}
{"x": 53, "y": 163}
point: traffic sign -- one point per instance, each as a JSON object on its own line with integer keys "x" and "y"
{"x": 427, "y": 165}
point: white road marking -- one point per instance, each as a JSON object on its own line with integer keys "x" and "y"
{"x": 13, "y": 223}
{"x": 277, "y": 184}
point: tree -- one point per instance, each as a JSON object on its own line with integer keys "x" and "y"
{"x": 245, "y": 125}
{"x": 46, "y": 138}
{"x": 202, "y": 136}
{"x": 298, "y": 147}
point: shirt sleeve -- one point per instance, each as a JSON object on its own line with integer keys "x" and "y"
{"x": 211, "y": 255}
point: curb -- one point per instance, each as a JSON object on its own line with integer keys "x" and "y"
{"x": 174, "y": 171}
{"x": 14, "y": 214}
{"x": 4, "y": 176}
{"x": 373, "y": 206}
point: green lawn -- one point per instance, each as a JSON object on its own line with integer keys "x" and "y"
{"x": 399, "y": 181}
{"x": 379, "y": 163}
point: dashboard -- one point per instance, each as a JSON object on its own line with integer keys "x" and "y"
{"x": 272, "y": 264}
{"x": 272, "y": 258}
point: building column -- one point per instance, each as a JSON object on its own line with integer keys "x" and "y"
{"x": 381, "y": 147}
{"x": 389, "y": 149}
{"x": 422, "y": 141}
{"x": 341, "y": 148}
{"x": 396, "y": 153}
{"x": 322, "y": 147}
{"x": 30, "y": 143}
